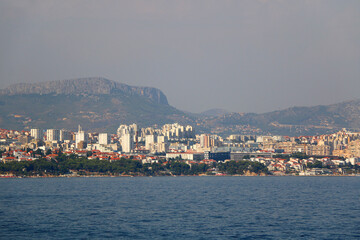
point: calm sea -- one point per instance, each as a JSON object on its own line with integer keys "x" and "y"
{"x": 180, "y": 208}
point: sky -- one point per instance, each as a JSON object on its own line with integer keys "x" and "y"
{"x": 239, "y": 55}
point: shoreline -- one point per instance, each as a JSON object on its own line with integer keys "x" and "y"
{"x": 130, "y": 176}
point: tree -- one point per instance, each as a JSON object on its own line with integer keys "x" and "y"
{"x": 299, "y": 155}
{"x": 48, "y": 151}
{"x": 316, "y": 164}
{"x": 39, "y": 152}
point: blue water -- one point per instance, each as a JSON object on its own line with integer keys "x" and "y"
{"x": 181, "y": 208}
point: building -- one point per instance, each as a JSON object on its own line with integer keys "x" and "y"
{"x": 352, "y": 150}
{"x": 204, "y": 140}
{"x": 80, "y": 137}
{"x": 178, "y": 131}
{"x": 149, "y": 142}
{"x": 52, "y": 135}
{"x": 81, "y": 145}
{"x": 318, "y": 150}
{"x": 127, "y": 142}
{"x": 198, "y": 156}
{"x": 104, "y": 139}
{"x": 217, "y": 156}
{"x": 123, "y": 129}
{"x": 162, "y": 144}
{"x": 162, "y": 139}
{"x": 65, "y": 135}
{"x": 24, "y": 139}
{"x": 36, "y": 133}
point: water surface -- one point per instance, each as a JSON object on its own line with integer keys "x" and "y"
{"x": 181, "y": 208}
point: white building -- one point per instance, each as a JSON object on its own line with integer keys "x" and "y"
{"x": 52, "y": 135}
{"x": 127, "y": 142}
{"x": 176, "y": 130}
{"x": 123, "y": 129}
{"x": 36, "y": 133}
{"x": 162, "y": 144}
{"x": 162, "y": 139}
{"x": 80, "y": 136}
{"x": 185, "y": 156}
{"x": 149, "y": 141}
{"x": 104, "y": 138}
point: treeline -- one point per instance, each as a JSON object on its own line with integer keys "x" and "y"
{"x": 301, "y": 155}
{"x": 83, "y": 166}
{"x": 241, "y": 167}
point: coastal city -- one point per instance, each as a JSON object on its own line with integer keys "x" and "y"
{"x": 160, "y": 148}
{"x": 207, "y": 119}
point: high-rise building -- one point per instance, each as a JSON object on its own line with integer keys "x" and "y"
{"x": 52, "y": 135}
{"x": 104, "y": 138}
{"x": 204, "y": 141}
{"x": 176, "y": 130}
{"x": 65, "y": 135}
{"x": 127, "y": 142}
{"x": 162, "y": 144}
{"x": 36, "y": 133}
{"x": 161, "y": 139}
{"x": 123, "y": 129}
{"x": 80, "y": 137}
{"x": 149, "y": 141}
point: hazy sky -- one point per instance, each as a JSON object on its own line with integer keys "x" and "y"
{"x": 245, "y": 56}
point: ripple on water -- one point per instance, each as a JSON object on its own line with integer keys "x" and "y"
{"x": 180, "y": 208}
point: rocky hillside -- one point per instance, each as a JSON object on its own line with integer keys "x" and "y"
{"x": 95, "y": 103}
{"x": 85, "y": 86}
{"x": 102, "y": 105}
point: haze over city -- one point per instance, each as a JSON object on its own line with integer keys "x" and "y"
{"x": 186, "y": 119}
{"x": 245, "y": 56}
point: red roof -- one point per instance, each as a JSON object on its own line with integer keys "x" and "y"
{"x": 53, "y": 155}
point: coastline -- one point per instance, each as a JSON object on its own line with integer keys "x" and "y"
{"x": 200, "y": 175}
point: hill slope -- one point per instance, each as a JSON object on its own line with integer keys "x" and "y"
{"x": 291, "y": 121}
{"x": 95, "y": 103}
{"x": 93, "y": 86}
{"x": 214, "y": 112}
{"x": 102, "y": 105}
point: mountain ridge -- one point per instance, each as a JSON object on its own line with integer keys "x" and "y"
{"x": 214, "y": 112}
{"x": 93, "y": 85}
{"x": 102, "y": 105}
{"x": 294, "y": 120}
{"x": 98, "y": 104}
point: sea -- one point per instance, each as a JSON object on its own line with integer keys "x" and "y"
{"x": 180, "y": 208}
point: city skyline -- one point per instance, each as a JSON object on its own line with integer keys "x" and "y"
{"x": 337, "y": 153}
{"x": 187, "y": 119}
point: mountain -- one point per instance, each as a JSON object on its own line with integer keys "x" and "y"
{"x": 291, "y": 121}
{"x": 100, "y": 104}
{"x": 214, "y": 112}
{"x": 91, "y": 86}
{"x": 95, "y": 103}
